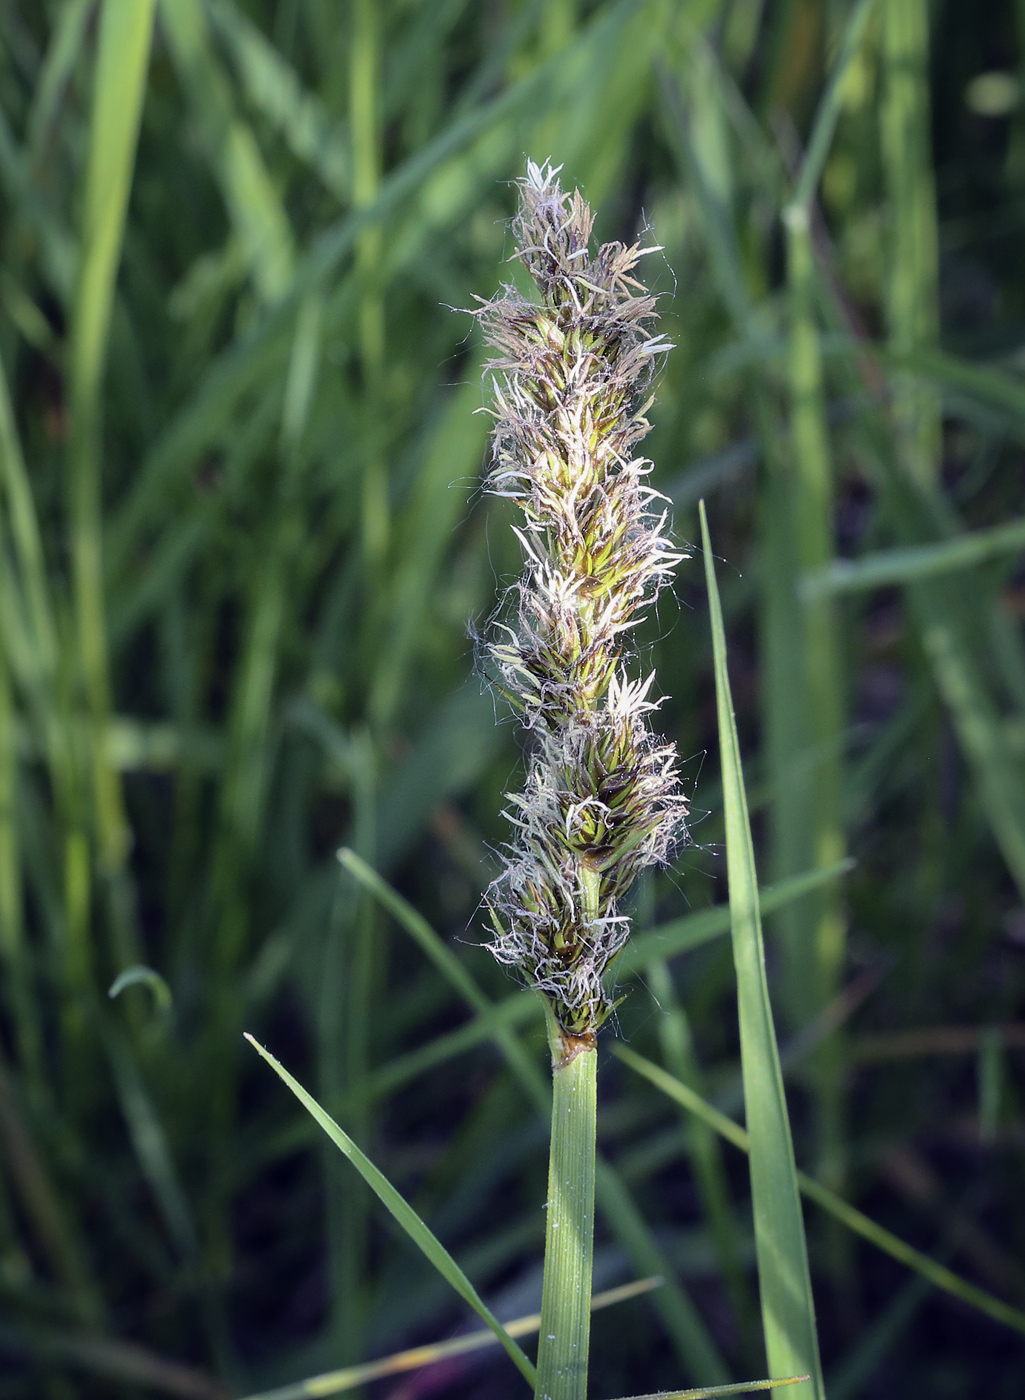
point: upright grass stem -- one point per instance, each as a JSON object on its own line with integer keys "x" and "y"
{"x": 912, "y": 301}
{"x": 569, "y": 1227}
{"x": 601, "y": 800}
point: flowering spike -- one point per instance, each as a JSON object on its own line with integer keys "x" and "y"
{"x": 601, "y": 799}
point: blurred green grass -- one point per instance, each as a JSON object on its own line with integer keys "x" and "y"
{"x": 241, "y": 536}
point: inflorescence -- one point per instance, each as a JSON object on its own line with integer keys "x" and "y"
{"x": 602, "y": 798}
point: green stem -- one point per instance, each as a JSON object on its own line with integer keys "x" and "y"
{"x": 569, "y": 1233}
{"x": 911, "y": 296}
{"x": 821, "y": 678}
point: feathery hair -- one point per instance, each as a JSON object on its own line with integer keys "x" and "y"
{"x": 601, "y": 799}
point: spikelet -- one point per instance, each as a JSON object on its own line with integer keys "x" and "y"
{"x": 601, "y": 799}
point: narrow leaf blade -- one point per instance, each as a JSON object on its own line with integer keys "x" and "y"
{"x": 788, "y": 1311}
{"x": 402, "y": 1212}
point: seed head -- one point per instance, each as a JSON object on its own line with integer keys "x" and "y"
{"x": 601, "y": 799}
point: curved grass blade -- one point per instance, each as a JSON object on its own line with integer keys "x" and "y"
{"x": 937, "y": 1274}
{"x": 122, "y": 68}
{"x": 335, "y": 1382}
{"x": 708, "y": 1393}
{"x": 664, "y": 941}
{"x": 788, "y": 1310}
{"x": 682, "y": 1320}
{"x": 403, "y": 1213}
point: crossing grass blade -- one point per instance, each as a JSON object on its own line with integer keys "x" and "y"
{"x": 683, "y": 1322}
{"x": 710, "y": 1392}
{"x": 677, "y": 1045}
{"x": 404, "y": 1214}
{"x": 857, "y": 1222}
{"x": 665, "y": 941}
{"x": 788, "y": 1309}
{"x": 336, "y": 1382}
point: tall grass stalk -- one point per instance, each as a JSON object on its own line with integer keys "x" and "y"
{"x": 601, "y": 800}
{"x": 122, "y": 65}
{"x": 564, "y": 1338}
{"x": 812, "y": 498}
{"x": 912, "y": 274}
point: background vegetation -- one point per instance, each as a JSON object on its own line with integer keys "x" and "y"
{"x": 241, "y": 534}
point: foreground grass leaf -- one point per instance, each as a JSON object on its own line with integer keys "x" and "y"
{"x": 788, "y": 1310}
{"x": 403, "y": 1213}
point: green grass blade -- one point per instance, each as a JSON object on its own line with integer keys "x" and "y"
{"x": 122, "y": 65}
{"x": 403, "y": 1213}
{"x": 694, "y": 1345}
{"x": 915, "y": 562}
{"x": 821, "y": 941}
{"x": 912, "y": 295}
{"x": 336, "y": 1382}
{"x": 692, "y": 930}
{"x": 275, "y": 89}
{"x": 25, "y": 535}
{"x": 828, "y": 114}
{"x": 705, "y": 1151}
{"x": 937, "y": 1274}
{"x": 683, "y": 1322}
{"x": 788, "y": 1310}
{"x": 58, "y": 67}
{"x": 251, "y": 199}
{"x": 418, "y": 928}
{"x": 709, "y": 1393}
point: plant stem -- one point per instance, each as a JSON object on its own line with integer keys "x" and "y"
{"x": 569, "y": 1232}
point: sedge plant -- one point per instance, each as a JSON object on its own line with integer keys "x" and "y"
{"x": 602, "y": 798}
